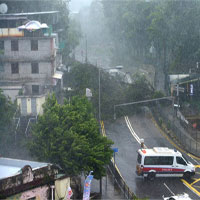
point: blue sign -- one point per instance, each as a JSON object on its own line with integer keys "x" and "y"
{"x": 115, "y": 150}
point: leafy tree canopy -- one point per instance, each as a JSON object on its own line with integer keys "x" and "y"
{"x": 171, "y": 26}
{"x": 84, "y": 76}
{"x": 140, "y": 89}
{"x": 113, "y": 89}
{"x": 7, "y": 109}
{"x": 68, "y": 135}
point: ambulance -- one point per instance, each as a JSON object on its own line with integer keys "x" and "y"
{"x": 163, "y": 162}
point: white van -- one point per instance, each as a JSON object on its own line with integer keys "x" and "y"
{"x": 163, "y": 162}
{"x": 178, "y": 197}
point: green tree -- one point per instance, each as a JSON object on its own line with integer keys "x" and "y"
{"x": 113, "y": 89}
{"x": 73, "y": 36}
{"x": 84, "y": 76}
{"x": 128, "y": 22}
{"x": 140, "y": 89}
{"x": 68, "y": 135}
{"x": 171, "y": 26}
{"x": 7, "y": 109}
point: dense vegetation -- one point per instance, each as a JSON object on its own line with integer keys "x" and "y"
{"x": 113, "y": 89}
{"x": 68, "y": 135}
{"x": 7, "y": 110}
{"x": 163, "y": 33}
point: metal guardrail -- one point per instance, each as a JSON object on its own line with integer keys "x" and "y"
{"x": 18, "y": 123}
{"x": 29, "y": 121}
{"x": 128, "y": 194}
{"x": 182, "y": 134}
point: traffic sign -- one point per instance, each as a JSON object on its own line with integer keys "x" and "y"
{"x": 180, "y": 89}
{"x": 115, "y": 150}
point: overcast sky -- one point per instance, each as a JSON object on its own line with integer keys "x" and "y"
{"x": 75, "y": 5}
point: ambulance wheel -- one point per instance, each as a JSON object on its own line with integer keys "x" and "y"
{"x": 151, "y": 176}
{"x": 187, "y": 175}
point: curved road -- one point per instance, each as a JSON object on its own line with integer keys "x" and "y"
{"x": 125, "y": 159}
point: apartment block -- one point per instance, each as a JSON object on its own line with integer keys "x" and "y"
{"x": 29, "y": 59}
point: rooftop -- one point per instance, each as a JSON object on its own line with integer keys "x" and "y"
{"x": 159, "y": 151}
{"x": 10, "y": 167}
{"x": 28, "y": 13}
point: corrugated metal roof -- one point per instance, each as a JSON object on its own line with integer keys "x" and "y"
{"x": 29, "y": 13}
{"x": 10, "y": 167}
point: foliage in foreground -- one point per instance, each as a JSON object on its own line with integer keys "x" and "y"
{"x": 7, "y": 109}
{"x": 68, "y": 135}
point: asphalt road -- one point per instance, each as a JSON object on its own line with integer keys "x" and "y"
{"x": 126, "y": 158}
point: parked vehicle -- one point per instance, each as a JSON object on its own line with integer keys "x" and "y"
{"x": 163, "y": 162}
{"x": 178, "y": 197}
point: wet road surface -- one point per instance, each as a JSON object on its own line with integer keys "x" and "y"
{"x": 126, "y": 158}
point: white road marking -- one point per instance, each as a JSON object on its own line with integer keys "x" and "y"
{"x": 138, "y": 140}
{"x": 169, "y": 189}
{"x": 132, "y": 131}
{"x": 193, "y": 159}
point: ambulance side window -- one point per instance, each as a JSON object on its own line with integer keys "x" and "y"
{"x": 180, "y": 161}
{"x": 165, "y": 160}
{"x": 151, "y": 160}
{"x": 158, "y": 160}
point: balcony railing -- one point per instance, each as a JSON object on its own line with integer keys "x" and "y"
{"x": 11, "y": 32}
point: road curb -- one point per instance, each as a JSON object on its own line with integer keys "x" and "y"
{"x": 172, "y": 140}
{"x": 125, "y": 186}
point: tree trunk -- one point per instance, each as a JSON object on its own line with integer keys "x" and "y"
{"x": 100, "y": 185}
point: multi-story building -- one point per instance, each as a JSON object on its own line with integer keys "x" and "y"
{"x": 28, "y": 59}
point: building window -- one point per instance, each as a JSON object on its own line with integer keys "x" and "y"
{"x": 35, "y": 89}
{"x": 14, "y": 45}
{"x": 34, "y": 45}
{"x": 1, "y": 66}
{"x": 1, "y": 47}
{"x": 15, "y": 68}
{"x": 34, "y": 68}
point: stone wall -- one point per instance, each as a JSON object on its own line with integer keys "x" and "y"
{"x": 26, "y": 179}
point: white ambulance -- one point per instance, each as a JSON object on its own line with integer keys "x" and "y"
{"x": 163, "y": 162}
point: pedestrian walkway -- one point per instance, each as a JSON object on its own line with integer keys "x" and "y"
{"x": 180, "y": 135}
{"x": 110, "y": 190}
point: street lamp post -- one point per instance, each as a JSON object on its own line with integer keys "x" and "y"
{"x": 86, "y": 49}
{"x": 99, "y": 95}
{"x": 114, "y": 113}
{"x": 139, "y": 102}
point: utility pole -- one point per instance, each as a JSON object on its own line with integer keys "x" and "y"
{"x": 99, "y": 95}
{"x": 100, "y": 183}
{"x": 86, "y": 59}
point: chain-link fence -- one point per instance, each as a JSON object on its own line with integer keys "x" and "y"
{"x": 188, "y": 137}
